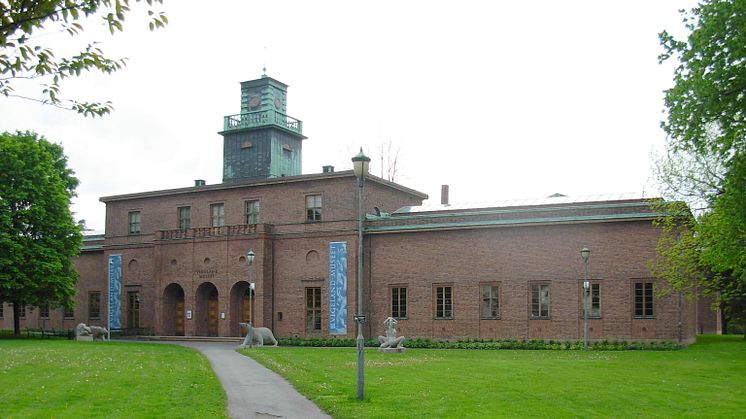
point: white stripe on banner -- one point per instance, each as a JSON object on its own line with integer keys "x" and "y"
{"x": 338, "y": 288}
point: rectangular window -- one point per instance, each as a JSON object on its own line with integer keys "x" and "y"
{"x": 185, "y": 218}
{"x": 595, "y": 302}
{"x": 398, "y": 302}
{"x": 22, "y": 312}
{"x": 313, "y": 309}
{"x": 134, "y": 222}
{"x": 252, "y": 212}
{"x": 539, "y": 301}
{"x": 133, "y": 310}
{"x": 490, "y": 302}
{"x": 94, "y": 305}
{"x": 2, "y": 309}
{"x": 44, "y": 311}
{"x": 313, "y": 208}
{"x": 217, "y": 215}
{"x": 443, "y": 302}
{"x": 643, "y": 299}
{"x": 69, "y": 313}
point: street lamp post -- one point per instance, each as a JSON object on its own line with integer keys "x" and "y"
{"x": 585, "y": 253}
{"x": 250, "y": 259}
{"x": 360, "y": 165}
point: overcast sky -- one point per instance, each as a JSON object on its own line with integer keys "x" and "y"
{"x": 497, "y": 99}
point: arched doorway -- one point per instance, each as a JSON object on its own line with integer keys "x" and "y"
{"x": 242, "y": 306}
{"x": 206, "y": 310}
{"x": 173, "y": 310}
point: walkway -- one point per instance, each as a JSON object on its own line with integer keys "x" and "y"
{"x": 254, "y": 391}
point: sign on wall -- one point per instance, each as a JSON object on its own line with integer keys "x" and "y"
{"x": 115, "y": 292}
{"x": 338, "y": 288}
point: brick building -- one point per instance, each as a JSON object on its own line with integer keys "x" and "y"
{"x": 503, "y": 270}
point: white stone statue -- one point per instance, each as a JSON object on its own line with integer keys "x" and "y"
{"x": 99, "y": 332}
{"x": 83, "y": 332}
{"x": 390, "y": 341}
{"x": 255, "y": 336}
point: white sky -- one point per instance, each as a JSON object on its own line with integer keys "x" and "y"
{"x": 497, "y": 99}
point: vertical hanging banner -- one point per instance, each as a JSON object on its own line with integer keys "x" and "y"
{"x": 338, "y": 288}
{"x": 115, "y": 292}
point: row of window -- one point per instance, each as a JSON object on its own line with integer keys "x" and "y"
{"x": 490, "y": 302}
{"x": 94, "y": 309}
{"x": 217, "y": 214}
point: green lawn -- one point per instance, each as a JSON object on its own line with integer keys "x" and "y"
{"x": 707, "y": 379}
{"x": 61, "y": 378}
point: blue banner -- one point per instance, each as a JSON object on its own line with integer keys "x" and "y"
{"x": 338, "y": 288}
{"x": 115, "y": 292}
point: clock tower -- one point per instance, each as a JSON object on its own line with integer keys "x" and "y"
{"x": 262, "y": 141}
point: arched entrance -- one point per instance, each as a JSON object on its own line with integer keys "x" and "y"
{"x": 173, "y": 310}
{"x": 206, "y": 310}
{"x": 242, "y": 306}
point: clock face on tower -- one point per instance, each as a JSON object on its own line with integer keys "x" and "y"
{"x": 278, "y": 103}
{"x": 254, "y": 102}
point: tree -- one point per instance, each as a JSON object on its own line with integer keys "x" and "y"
{"x": 23, "y": 54}
{"x": 38, "y": 236}
{"x": 706, "y": 127}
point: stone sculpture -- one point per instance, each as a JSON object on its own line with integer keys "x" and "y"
{"x": 255, "y": 336}
{"x": 83, "y": 332}
{"x": 99, "y": 332}
{"x": 391, "y": 341}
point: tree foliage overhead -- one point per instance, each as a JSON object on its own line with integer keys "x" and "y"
{"x": 38, "y": 236}
{"x": 706, "y": 157}
{"x": 24, "y": 55}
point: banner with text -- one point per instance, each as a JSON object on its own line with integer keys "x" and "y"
{"x": 338, "y": 288}
{"x": 115, "y": 292}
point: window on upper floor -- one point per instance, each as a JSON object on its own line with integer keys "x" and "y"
{"x": 313, "y": 208}
{"x": 133, "y": 218}
{"x": 217, "y": 215}
{"x": 643, "y": 299}
{"x": 252, "y": 211}
{"x": 184, "y": 215}
{"x": 44, "y": 311}
{"x": 539, "y": 301}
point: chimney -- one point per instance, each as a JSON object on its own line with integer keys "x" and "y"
{"x": 444, "y": 194}
{"x": 328, "y": 169}
{"x": 199, "y": 182}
